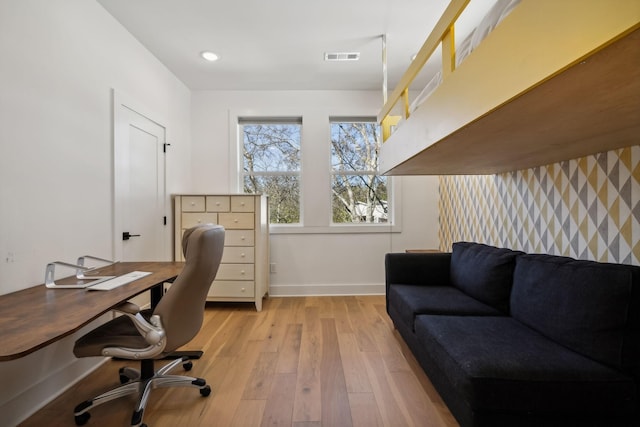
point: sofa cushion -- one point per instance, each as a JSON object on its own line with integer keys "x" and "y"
{"x": 583, "y": 305}
{"x": 483, "y": 272}
{"x": 499, "y": 365}
{"x": 407, "y": 301}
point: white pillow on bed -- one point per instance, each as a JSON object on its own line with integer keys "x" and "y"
{"x": 430, "y": 87}
{"x": 464, "y": 49}
{"x": 496, "y": 14}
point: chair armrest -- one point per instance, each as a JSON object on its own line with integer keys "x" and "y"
{"x": 127, "y": 308}
{"x": 152, "y": 330}
{"x": 426, "y": 269}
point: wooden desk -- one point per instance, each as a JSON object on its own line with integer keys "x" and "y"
{"x": 33, "y": 318}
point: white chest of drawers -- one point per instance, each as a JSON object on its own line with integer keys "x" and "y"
{"x": 244, "y": 272}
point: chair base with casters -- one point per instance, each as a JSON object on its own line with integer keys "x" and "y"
{"x": 141, "y": 383}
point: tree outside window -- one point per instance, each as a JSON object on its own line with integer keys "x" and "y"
{"x": 359, "y": 194}
{"x": 271, "y": 164}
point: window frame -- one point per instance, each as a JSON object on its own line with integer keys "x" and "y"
{"x": 388, "y": 180}
{"x": 259, "y": 120}
{"x": 315, "y": 176}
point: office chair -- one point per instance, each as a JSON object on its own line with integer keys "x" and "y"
{"x": 153, "y": 334}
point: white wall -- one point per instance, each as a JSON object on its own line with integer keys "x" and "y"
{"x": 59, "y": 62}
{"x": 315, "y": 261}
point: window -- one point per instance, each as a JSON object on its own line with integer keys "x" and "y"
{"x": 359, "y": 194}
{"x": 328, "y": 183}
{"x": 271, "y": 164}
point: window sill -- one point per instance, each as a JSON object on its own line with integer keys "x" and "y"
{"x": 334, "y": 229}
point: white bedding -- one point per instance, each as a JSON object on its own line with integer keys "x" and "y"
{"x": 494, "y": 16}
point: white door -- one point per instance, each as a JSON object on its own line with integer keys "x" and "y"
{"x": 140, "y": 230}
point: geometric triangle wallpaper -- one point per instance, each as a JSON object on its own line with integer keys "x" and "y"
{"x": 586, "y": 208}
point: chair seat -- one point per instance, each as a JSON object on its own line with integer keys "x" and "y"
{"x": 119, "y": 332}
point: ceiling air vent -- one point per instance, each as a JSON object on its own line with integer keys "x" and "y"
{"x": 341, "y": 56}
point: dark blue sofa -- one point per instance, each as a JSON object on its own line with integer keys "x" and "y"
{"x": 515, "y": 339}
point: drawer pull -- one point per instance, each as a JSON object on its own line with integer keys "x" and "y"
{"x": 235, "y": 220}
{"x": 242, "y": 255}
{"x": 243, "y": 289}
{"x": 242, "y": 238}
{"x": 217, "y": 203}
{"x": 193, "y": 203}
{"x": 242, "y": 272}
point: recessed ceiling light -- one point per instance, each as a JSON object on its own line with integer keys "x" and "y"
{"x": 341, "y": 56}
{"x": 209, "y": 56}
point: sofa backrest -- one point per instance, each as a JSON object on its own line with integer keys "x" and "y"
{"x": 592, "y": 308}
{"x": 483, "y": 272}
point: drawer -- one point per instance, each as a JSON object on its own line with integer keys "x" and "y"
{"x": 218, "y": 204}
{"x": 236, "y": 220}
{"x": 238, "y": 254}
{"x": 192, "y": 203}
{"x": 235, "y": 272}
{"x": 239, "y": 238}
{"x": 190, "y": 219}
{"x": 227, "y": 289}
{"x": 242, "y": 204}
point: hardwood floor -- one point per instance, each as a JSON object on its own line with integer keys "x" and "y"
{"x": 301, "y": 362}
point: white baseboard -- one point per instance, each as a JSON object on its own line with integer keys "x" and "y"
{"x": 326, "y": 290}
{"x": 33, "y": 381}
{"x": 36, "y": 397}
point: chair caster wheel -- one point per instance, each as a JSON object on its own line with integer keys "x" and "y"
{"x": 187, "y": 366}
{"x": 82, "y": 419}
{"x": 206, "y": 391}
{"x": 127, "y": 374}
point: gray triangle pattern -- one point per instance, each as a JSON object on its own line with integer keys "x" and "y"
{"x": 553, "y": 208}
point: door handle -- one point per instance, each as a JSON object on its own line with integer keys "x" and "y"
{"x": 126, "y": 235}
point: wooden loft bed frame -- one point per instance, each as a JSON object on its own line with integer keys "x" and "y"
{"x": 556, "y": 80}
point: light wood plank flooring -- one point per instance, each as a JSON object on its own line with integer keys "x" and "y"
{"x": 301, "y": 362}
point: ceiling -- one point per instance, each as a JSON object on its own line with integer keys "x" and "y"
{"x": 280, "y": 44}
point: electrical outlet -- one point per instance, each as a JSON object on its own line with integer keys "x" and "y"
{"x": 272, "y": 267}
{"x": 11, "y": 257}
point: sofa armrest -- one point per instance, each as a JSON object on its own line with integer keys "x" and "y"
{"x": 424, "y": 269}
{"x": 428, "y": 269}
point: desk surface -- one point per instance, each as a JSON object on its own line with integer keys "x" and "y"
{"x": 32, "y": 318}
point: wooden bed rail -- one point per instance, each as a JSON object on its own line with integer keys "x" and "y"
{"x": 443, "y": 33}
